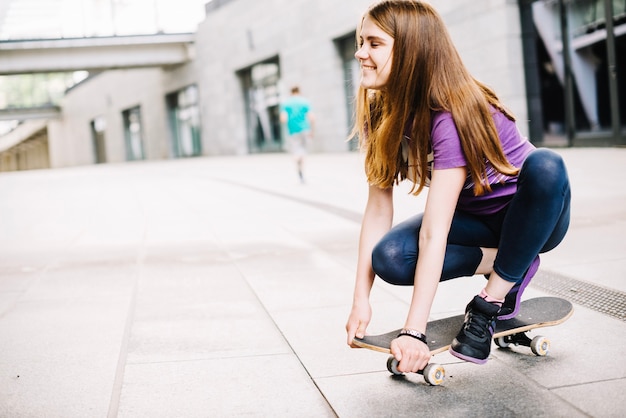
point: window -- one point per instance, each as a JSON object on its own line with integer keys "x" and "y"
{"x": 262, "y": 95}
{"x": 581, "y": 75}
{"x": 184, "y": 119}
{"x": 98, "y": 126}
{"x": 133, "y": 134}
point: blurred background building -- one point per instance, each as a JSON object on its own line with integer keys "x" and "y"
{"x": 97, "y": 81}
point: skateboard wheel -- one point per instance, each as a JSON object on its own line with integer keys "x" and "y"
{"x": 501, "y": 342}
{"x": 540, "y": 345}
{"x": 392, "y": 366}
{"x": 434, "y": 374}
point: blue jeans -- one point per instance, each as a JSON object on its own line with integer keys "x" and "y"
{"x": 535, "y": 221}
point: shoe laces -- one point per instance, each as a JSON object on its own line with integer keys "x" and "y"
{"x": 479, "y": 323}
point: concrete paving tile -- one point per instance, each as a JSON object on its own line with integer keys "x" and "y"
{"x": 252, "y": 241}
{"x": 273, "y": 258}
{"x": 346, "y": 258}
{"x": 598, "y": 399}
{"x": 59, "y": 356}
{"x": 265, "y": 386}
{"x": 318, "y": 337}
{"x": 19, "y": 261}
{"x": 605, "y": 265}
{"x": 111, "y": 231}
{"x": 83, "y": 281}
{"x": 329, "y": 231}
{"x": 453, "y": 295}
{"x": 179, "y": 340}
{"x": 13, "y": 284}
{"x": 608, "y": 272}
{"x": 468, "y": 391}
{"x": 175, "y": 232}
{"x": 17, "y": 278}
{"x": 8, "y": 300}
{"x": 188, "y": 284}
{"x": 194, "y": 311}
{"x": 342, "y": 248}
{"x": 65, "y": 212}
{"x": 298, "y": 290}
{"x": 188, "y": 253}
{"x": 587, "y": 348}
{"x": 313, "y": 222}
{"x": 174, "y": 221}
{"x": 200, "y": 339}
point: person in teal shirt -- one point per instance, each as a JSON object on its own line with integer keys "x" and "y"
{"x": 295, "y": 111}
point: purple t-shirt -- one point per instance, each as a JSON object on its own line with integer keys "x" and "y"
{"x": 447, "y": 153}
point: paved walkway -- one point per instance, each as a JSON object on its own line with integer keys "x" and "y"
{"x": 219, "y": 287}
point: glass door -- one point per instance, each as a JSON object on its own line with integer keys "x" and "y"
{"x": 262, "y": 96}
{"x": 580, "y": 54}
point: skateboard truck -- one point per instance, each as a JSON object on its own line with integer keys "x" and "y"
{"x": 433, "y": 373}
{"x": 539, "y": 345}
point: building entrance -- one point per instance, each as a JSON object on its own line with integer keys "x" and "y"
{"x": 262, "y": 97}
{"x": 580, "y": 54}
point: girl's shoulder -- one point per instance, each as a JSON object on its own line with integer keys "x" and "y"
{"x": 442, "y": 125}
{"x": 441, "y": 119}
{"x": 440, "y": 115}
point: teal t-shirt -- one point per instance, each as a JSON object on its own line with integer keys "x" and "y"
{"x": 297, "y": 108}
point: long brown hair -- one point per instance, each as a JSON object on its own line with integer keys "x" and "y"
{"x": 427, "y": 74}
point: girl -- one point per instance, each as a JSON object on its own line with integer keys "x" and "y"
{"x": 494, "y": 201}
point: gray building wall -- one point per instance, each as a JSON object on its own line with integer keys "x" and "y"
{"x": 107, "y": 95}
{"x": 302, "y": 35}
{"x": 489, "y": 39}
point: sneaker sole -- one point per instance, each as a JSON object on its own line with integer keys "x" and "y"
{"x": 467, "y": 358}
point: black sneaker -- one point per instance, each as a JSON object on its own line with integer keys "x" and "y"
{"x": 473, "y": 342}
{"x": 510, "y": 307}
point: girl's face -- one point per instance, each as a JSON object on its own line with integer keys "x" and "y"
{"x": 374, "y": 54}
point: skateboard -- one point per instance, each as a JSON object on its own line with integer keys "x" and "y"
{"x": 534, "y": 313}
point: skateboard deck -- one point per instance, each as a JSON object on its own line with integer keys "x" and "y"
{"x": 534, "y": 313}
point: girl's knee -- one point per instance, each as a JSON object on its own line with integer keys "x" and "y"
{"x": 381, "y": 255}
{"x": 545, "y": 161}
{"x": 545, "y": 170}
{"x": 388, "y": 263}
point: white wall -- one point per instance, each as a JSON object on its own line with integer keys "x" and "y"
{"x": 107, "y": 95}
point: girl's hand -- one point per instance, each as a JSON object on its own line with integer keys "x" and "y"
{"x": 359, "y": 319}
{"x": 412, "y": 354}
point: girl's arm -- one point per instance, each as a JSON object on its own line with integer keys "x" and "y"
{"x": 377, "y": 220}
{"x": 443, "y": 194}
